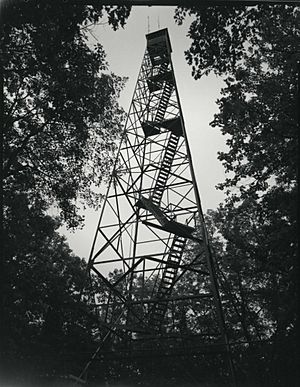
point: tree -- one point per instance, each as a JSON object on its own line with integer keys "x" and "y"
{"x": 44, "y": 317}
{"x": 61, "y": 115}
{"x": 61, "y": 120}
{"x": 256, "y": 50}
{"x": 256, "y": 269}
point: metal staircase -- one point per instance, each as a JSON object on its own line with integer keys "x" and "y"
{"x": 167, "y": 282}
{"x": 163, "y": 103}
{"x": 151, "y": 128}
{"x": 164, "y": 170}
{"x": 163, "y": 79}
{"x": 158, "y": 311}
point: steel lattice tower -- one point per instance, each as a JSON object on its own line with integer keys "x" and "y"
{"x": 151, "y": 228}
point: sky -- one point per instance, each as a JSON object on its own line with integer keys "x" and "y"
{"x": 125, "y": 49}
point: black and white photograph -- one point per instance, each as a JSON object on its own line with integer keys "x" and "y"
{"x": 149, "y": 193}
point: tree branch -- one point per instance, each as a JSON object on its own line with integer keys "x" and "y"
{"x": 14, "y": 153}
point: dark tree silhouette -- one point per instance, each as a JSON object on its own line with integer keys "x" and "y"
{"x": 61, "y": 115}
{"x": 60, "y": 122}
{"x": 256, "y": 50}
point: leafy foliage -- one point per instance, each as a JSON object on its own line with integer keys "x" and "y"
{"x": 256, "y": 261}
{"x": 61, "y": 119}
{"x": 43, "y": 316}
{"x": 256, "y": 50}
{"x": 222, "y": 35}
{"x": 61, "y": 115}
{"x": 258, "y": 111}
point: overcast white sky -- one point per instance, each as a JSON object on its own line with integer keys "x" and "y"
{"x": 125, "y": 49}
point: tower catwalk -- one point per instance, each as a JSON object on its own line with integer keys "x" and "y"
{"x": 162, "y": 292}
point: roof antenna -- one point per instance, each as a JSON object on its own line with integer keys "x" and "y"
{"x": 158, "y": 22}
{"x": 148, "y": 24}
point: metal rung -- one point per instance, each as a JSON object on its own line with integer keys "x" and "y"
{"x": 167, "y": 278}
{"x": 170, "y": 274}
{"x": 179, "y": 243}
{"x": 174, "y": 253}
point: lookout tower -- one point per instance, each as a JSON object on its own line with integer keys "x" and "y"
{"x": 151, "y": 232}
